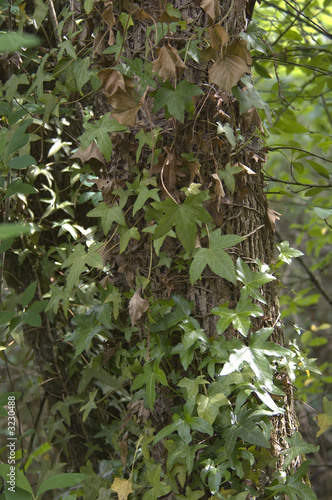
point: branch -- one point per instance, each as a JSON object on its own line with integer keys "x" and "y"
{"x": 301, "y": 150}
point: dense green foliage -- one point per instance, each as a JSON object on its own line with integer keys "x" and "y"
{"x": 113, "y": 349}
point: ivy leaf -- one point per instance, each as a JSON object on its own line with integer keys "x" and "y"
{"x": 226, "y": 71}
{"x": 296, "y": 447}
{"x": 85, "y": 329}
{"x": 181, "y": 313}
{"x": 192, "y": 385}
{"x": 177, "y": 100}
{"x": 251, "y": 35}
{"x": 149, "y": 378}
{"x": 125, "y": 235}
{"x": 239, "y": 316}
{"x": 249, "y": 97}
{"x": 247, "y": 428}
{"x": 159, "y": 488}
{"x": 82, "y": 73}
{"x": 227, "y": 175}
{"x": 324, "y": 420}
{"x": 99, "y": 131}
{"x": 252, "y": 280}
{"x": 178, "y": 451}
{"x": 229, "y": 133}
{"x": 108, "y": 216}
{"x": 90, "y": 405}
{"x": 215, "y": 257}
{"x": 294, "y": 487}
{"x": 184, "y": 217}
{"x": 208, "y": 406}
{"x": 116, "y": 298}
{"x": 143, "y": 194}
{"x": 77, "y": 261}
{"x": 287, "y": 253}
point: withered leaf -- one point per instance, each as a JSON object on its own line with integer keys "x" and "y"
{"x": 141, "y": 15}
{"x": 168, "y": 62}
{"x": 239, "y": 48}
{"x": 218, "y": 191}
{"x": 112, "y": 80}
{"x": 219, "y": 36}
{"x": 137, "y": 307}
{"x": 171, "y": 170}
{"x": 272, "y": 217}
{"x": 211, "y": 7}
{"x": 125, "y": 108}
{"x": 166, "y": 18}
{"x": 208, "y": 54}
{"x": 247, "y": 169}
{"x": 108, "y": 15}
{"x": 227, "y": 71}
{"x": 92, "y": 152}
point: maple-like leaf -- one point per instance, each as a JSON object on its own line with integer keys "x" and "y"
{"x": 252, "y": 280}
{"x": 215, "y": 257}
{"x": 108, "y": 216}
{"x": 239, "y": 48}
{"x": 239, "y": 316}
{"x": 176, "y": 100}
{"x": 123, "y": 487}
{"x": 99, "y": 131}
{"x": 296, "y": 448}
{"x": 184, "y": 217}
{"x": 227, "y": 71}
{"x": 324, "y": 420}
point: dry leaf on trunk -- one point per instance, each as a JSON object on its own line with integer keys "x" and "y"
{"x": 218, "y": 191}
{"x": 239, "y": 48}
{"x": 219, "y": 36}
{"x": 110, "y": 20}
{"x": 137, "y": 307}
{"x": 125, "y": 108}
{"x": 247, "y": 169}
{"x": 211, "y": 7}
{"x": 227, "y": 71}
{"x": 272, "y": 217}
{"x": 168, "y": 62}
{"x": 112, "y": 80}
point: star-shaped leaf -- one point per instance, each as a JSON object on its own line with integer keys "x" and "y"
{"x": 184, "y": 217}
{"x": 239, "y": 316}
{"x": 215, "y": 257}
{"x": 108, "y": 216}
{"x": 251, "y": 280}
{"x": 175, "y": 100}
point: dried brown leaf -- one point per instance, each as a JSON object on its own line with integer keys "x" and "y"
{"x": 137, "y": 307}
{"x": 208, "y": 54}
{"x": 92, "y": 152}
{"x": 125, "y": 108}
{"x": 219, "y": 36}
{"x": 227, "y": 71}
{"x": 141, "y": 15}
{"x": 239, "y": 48}
{"x": 211, "y": 7}
{"x": 194, "y": 167}
{"x": 112, "y": 80}
{"x": 166, "y": 18}
{"x": 272, "y": 217}
{"x": 108, "y": 15}
{"x": 218, "y": 191}
{"x": 171, "y": 170}
{"x": 168, "y": 62}
{"x": 247, "y": 169}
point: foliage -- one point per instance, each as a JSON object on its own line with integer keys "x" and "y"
{"x": 144, "y": 401}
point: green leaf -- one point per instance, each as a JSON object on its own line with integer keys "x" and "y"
{"x": 143, "y": 194}
{"x": 17, "y": 186}
{"x": 125, "y": 235}
{"x": 116, "y": 298}
{"x": 88, "y": 6}
{"x": 181, "y": 313}
{"x": 252, "y": 36}
{"x": 252, "y": 280}
{"x": 324, "y": 420}
{"x": 77, "y": 262}
{"x": 177, "y": 100}
{"x": 215, "y": 257}
{"x": 239, "y": 316}
{"x": 149, "y": 378}
{"x": 184, "y": 217}
{"x": 108, "y": 216}
{"x": 229, "y": 133}
{"x": 21, "y": 162}
{"x": 90, "y": 405}
{"x": 28, "y": 294}
{"x": 11, "y": 41}
{"x": 294, "y": 487}
{"x": 85, "y": 329}
{"x": 287, "y": 253}
{"x": 99, "y": 131}
{"x": 82, "y": 73}
{"x": 208, "y": 406}
{"x": 249, "y": 97}
{"x": 227, "y": 175}
{"x": 323, "y": 213}
{"x": 61, "y": 481}
{"x": 159, "y": 488}
{"x": 12, "y": 230}
{"x": 192, "y": 385}
{"x": 297, "y": 447}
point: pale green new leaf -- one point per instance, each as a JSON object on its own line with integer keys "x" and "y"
{"x": 324, "y": 420}
{"x": 227, "y": 175}
{"x": 215, "y": 257}
{"x": 208, "y": 406}
{"x": 287, "y": 253}
{"x": 90, "y": 405}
